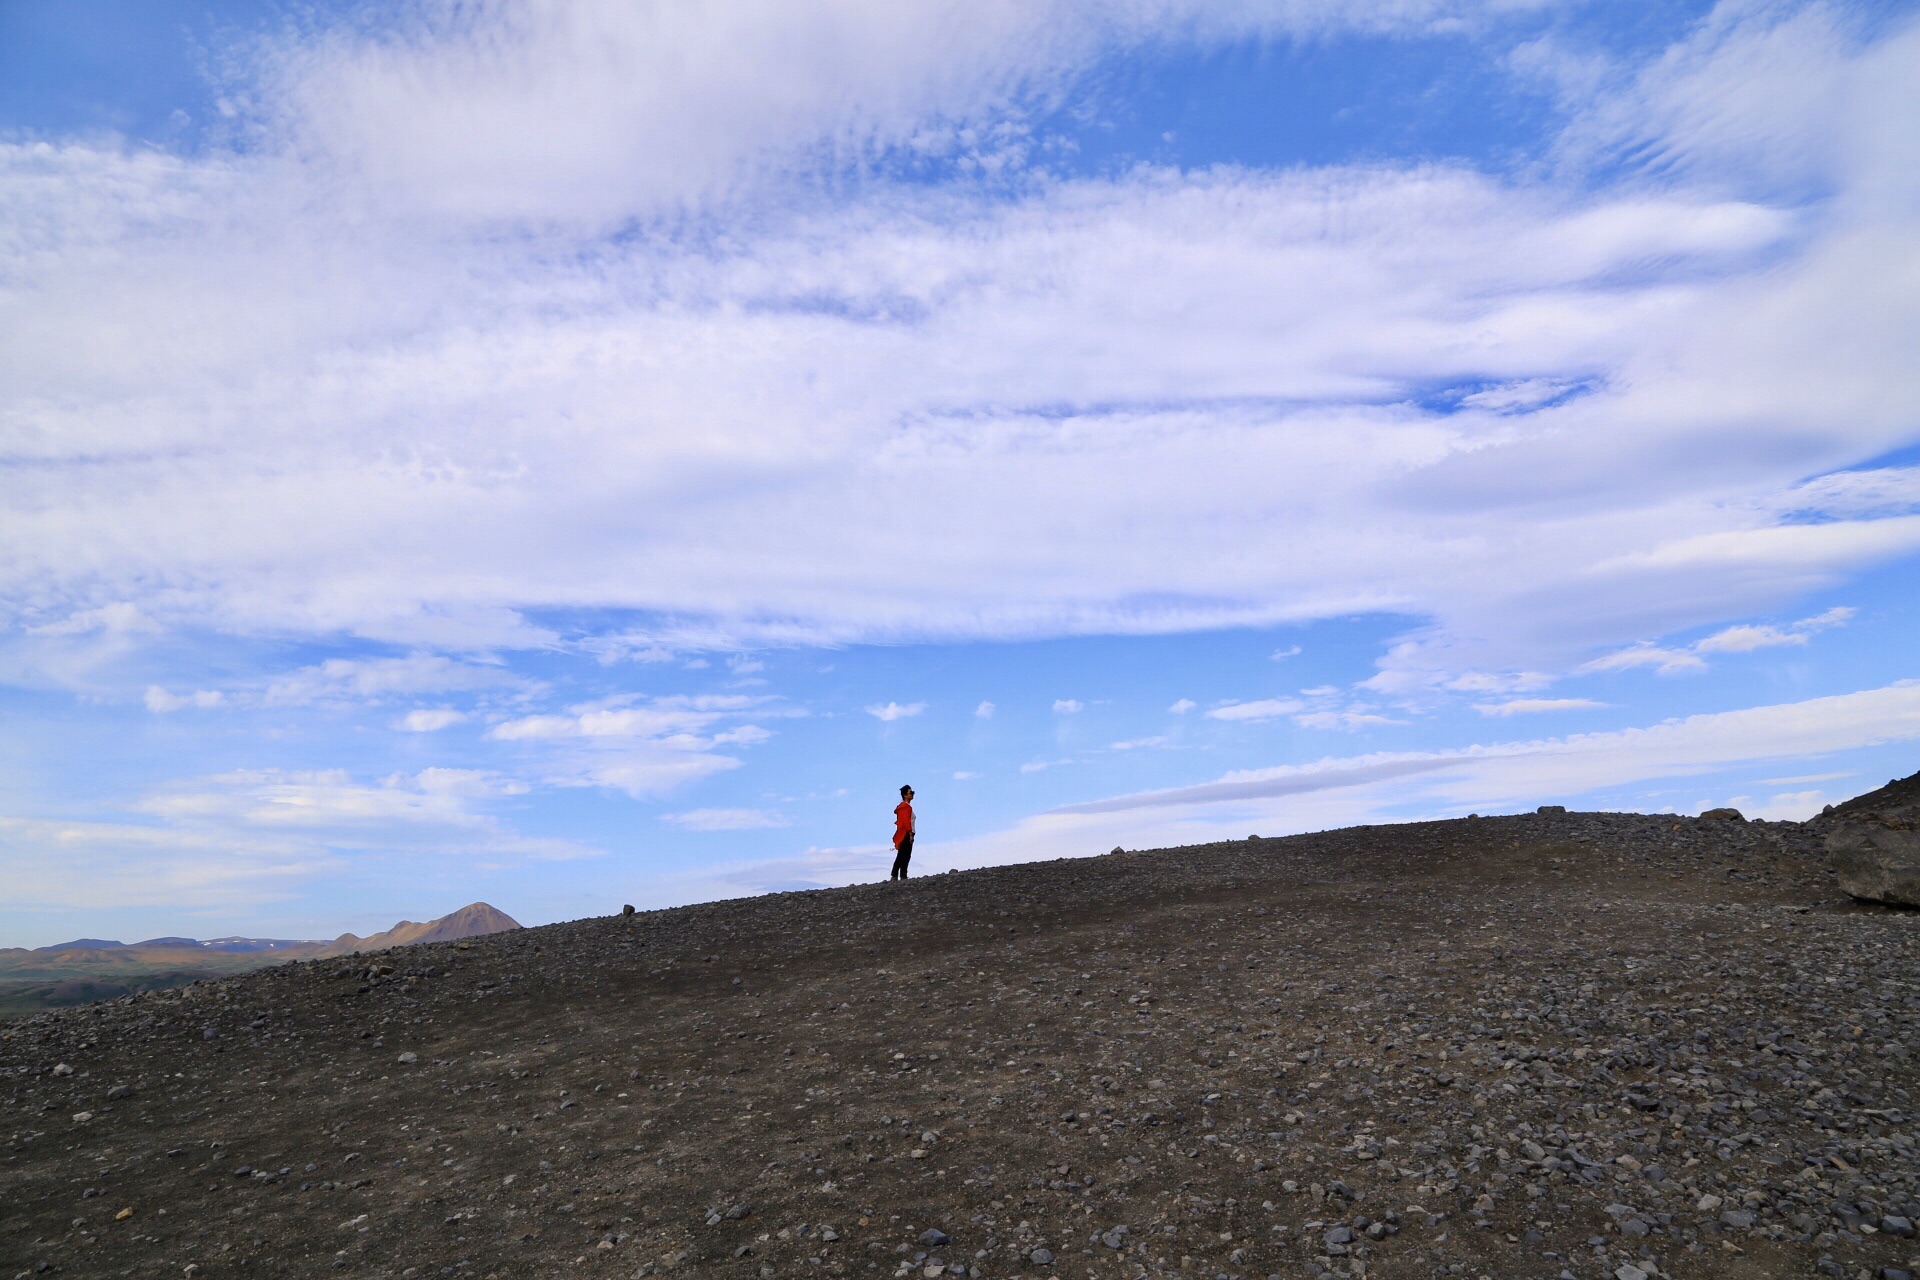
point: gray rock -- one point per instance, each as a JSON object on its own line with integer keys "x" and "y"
{"x": 1552, "y": 808}
{"x": 740, "y": 1210}
{"x": 1739, "y": 1218}
{"x": 933, "y": 1238}
{"x": 119, "y": 1091}
{"x": 1725, "y": 815}
{"x": 1040, "y": 1257}
{"x": 1876, "y": 856}
{"x": 1895, "y": 1225}
{"x": 1339, "y": 1235}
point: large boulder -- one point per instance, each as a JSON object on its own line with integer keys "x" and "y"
{"x": 1876, "y": 854}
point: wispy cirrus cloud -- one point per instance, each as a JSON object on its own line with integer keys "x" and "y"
{"x": 726, "y": 819}
{"x": 1262, "y": 709}
{"x": 888, "y": 712}
{"x": 1580, "y": 762}
{"x": 1741, "y": 638}
{"x": 1534, "y": 706}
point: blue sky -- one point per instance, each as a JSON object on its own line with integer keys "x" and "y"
{"x": 567, "y": 455}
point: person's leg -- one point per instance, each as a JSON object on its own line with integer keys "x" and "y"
{"x": 899, "y": 863}
{"x": 906, "y": 855}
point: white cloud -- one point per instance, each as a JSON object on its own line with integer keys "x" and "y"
{"x": 1747, "y": 638}
{"x": 1348, "y": 719}
{"x": 1666, "y": 661}
{"x": 1134, "y": 744}
{"x": 1741, "y": 638}
{"x": 50, "y": 864}
{"x": 643, "y": 748}
{"x": 984, "y": 711}
{"x": 1528, "y": 393}
{"x": 891, "y": 711}
{"x": 252, "y": 836}
{"x": 1281, "y": 655}
{"x": 1067, "y": 706}
{"x": 562, "y": 110}
{"x": 1265, "y": 709}
{"x": 429, "y": 720}
{"x": 119, "y": 618}
{"x": 381, "y": 679}
{"x": 1532, "y": 706}
{"x": 1581, "y": 762}
{"x": 965, "y": 775}
{"x": 327, "y": 799}
{"x": 726, "y": 819}
{"x": 1183, "y": 706}
{"x": 1040, "y": 766}
{"x": 158, "y": 699}
{"x": 410, "y": 250}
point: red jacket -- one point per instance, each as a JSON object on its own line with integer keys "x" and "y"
{"x": 902, "y": 822}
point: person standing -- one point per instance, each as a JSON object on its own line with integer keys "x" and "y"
{"x": 902, "y": 834}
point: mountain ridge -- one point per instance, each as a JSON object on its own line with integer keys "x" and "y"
{"x": 69, "y": 974}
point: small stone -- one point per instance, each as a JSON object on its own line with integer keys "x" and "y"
{"x": 1627, "y": 1271}
{"x": 1739, "y": 1218}
{"x": 62, "y": 1069}
{"x": 123, "y": 1215}
{"x": 1708, "y": 1203}
{"x": 933, "y": 1238}
{"x": 82, "y": 1117}
{"x": 119, "y": 1091}
{"x": 829, "y": 1235}
{"x": 409, "y": 1058}
{"x": 1339, "y": 1235}
{"x": 1040, "y": 1257}
{"x": 740, "y": 1211}
{"x": 1894, "y": 1225}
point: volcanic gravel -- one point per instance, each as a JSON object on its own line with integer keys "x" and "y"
{"x": 1588, "y": 1045}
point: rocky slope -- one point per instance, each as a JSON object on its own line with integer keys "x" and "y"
{"x": 1588, "y": 1045}
{"x": 91, "y": 969}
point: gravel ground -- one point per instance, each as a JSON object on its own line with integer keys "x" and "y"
{"x": 1588, "y": 1045}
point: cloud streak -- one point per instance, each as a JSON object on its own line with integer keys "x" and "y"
{"x": 1580, "y": 762}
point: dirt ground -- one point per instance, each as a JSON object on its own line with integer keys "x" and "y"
{"x": 1587, "y": 1045}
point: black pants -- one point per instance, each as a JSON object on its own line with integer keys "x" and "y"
{"x": 901, "y": 858}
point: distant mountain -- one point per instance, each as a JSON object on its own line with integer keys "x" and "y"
{"x": 470, "y": 921}
{"x": 89, "y": 969}
{"x": 254, "y": 944}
